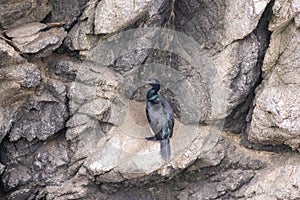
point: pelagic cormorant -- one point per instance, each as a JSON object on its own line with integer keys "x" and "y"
{"x": 160, "y": 116}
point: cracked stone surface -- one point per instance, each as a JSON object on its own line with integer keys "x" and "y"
{"x": 17, "y": 13}
{"x": 66, "y": 11}
{"x": 111, "y": 16}
{"x": 285, "y": 186}
{"x": 72, "y": 105}
{"x": 229, "y": 21}
{"x": 30, "y": 38}
{"x": 25, "y": 30}
{"x": 9, "y": 55}
{"x": 121, "y": 153}
{"x": 275, "y": 118}
{"x": 217, "y": 28}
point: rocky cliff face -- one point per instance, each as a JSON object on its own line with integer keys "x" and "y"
{"x": 72, "y": 121}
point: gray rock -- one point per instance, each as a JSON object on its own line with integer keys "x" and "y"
{"x": 154, "y": 10}
{"x": 101, "y": 149}
{"x": 30, "y": 38}
{"x": 45, "y": 113}
{"x": 66, "y": 11}
{"x": 285, "y": 186}
{"x": 123, "y": 157}
{"x": 60, "y": 33}
{"x": 130, "y": 60}
{"x": 227, "y": 180}
{"x": 37, "y": 164}
{"x": 17, "y": 13}
{"x": 111, "y": 16}
{"x": 39, "y": 118}
{"x": 22, "y": 194}
{"x": 79, "y": 37}
{"x": 237, "y": 67}
{"x": 2, "y": 167}
{"x": 27, "y": 75}
{"x": 284, "y": 13}
{"x": 275, "y": 118}
{"x": 8, "y": 55}
{"x": 57, "y": 88}
{"x": 18, "y": 78}
{"x": 8, "y": 109}
{"x": 25, "y": 30}
{"x": 218, "y": 24}
{"x": 75, "y": 188}
{"x": 242, "y": 18}
{"x": 22, "y": 41}
{"x": 63, "y": 69}
{"x": 16, "y": 176}
{"x": 220, "y": 185}
{"x": 42, "y": 43}
{"x": 88, "y": 15}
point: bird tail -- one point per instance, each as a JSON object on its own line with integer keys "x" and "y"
{"x": 165, "y": 149}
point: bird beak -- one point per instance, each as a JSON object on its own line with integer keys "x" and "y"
{"x": 146, "y": 82}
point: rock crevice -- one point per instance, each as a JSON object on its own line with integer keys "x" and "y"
{"x": 72, "y": 118}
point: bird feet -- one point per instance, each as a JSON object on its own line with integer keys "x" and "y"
{"x": 153, "y": 138}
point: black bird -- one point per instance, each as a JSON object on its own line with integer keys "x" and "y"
{"x": 160, "y": 116}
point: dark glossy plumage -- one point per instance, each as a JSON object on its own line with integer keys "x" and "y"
{"x": 160, "y": 116}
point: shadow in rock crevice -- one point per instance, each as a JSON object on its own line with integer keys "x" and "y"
{"x": 237, "y": 121}
{"x": 30, "y": 166}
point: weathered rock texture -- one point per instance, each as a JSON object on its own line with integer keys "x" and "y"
{"x": 18, "y": 12}
{"x": 111, "y": 16}
{"x": 276, "y": 118}
{"x": 72, "y": 121}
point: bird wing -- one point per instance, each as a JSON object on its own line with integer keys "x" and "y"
{"x": 154, "y": 113}
{"x": 160, "y": 116}
{"x": 169, "y": 113}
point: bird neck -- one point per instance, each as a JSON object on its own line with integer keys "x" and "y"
{"x": 152, "y": 95}
{"x": 155, "y": 87}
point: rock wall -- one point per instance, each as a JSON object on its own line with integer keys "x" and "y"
{"x": 72, "y": 121}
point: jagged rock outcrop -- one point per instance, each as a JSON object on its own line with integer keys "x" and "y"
{"x": 227, "y": 31}
{"x": 275, "y": 119}
{"x": 18, "y": 12}
{"x": 72, "y": 121}
{"x": 31, "y": 38}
